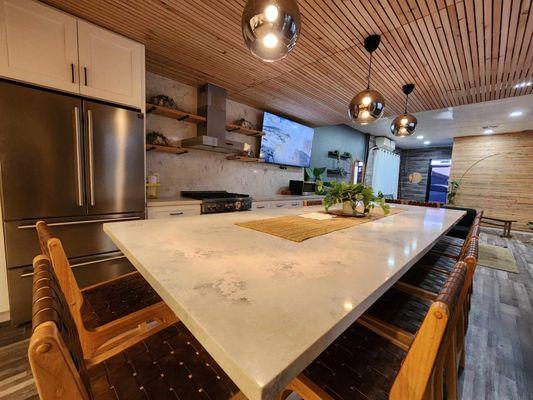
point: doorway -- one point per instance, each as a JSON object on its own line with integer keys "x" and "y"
{"x": 438, "y": 177}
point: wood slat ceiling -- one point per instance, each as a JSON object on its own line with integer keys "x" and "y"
{"x": 456, "y": 52}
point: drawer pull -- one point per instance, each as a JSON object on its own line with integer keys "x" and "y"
{"x": 294, "y": 204}
{"x": 176, "y": 213}
{"x": 260, "y": 207}
{"x": 279, "y": 205}
{"x": 81, "y": 264}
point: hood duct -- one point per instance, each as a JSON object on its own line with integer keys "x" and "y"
{"x": 212, "y": 133}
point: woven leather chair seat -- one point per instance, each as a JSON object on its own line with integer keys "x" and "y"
{"x": 358, "y": 365}
{"x": 169, "y": 365}
{"x": 120, "y": 297}
{"x": 447, "y": 249}
{"x": 426, "y": 279}
{"x": 398, "y": 308}
{"x": 452, "y": 241}
{"x": 436, "y": 261}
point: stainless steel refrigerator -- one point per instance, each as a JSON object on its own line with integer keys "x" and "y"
{"x": 75, "y": 164}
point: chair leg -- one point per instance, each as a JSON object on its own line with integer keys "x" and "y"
{"x": 450, "y": 370}
{"x": 438, "y": 384}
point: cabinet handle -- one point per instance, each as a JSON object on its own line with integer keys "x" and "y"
{"x": 85, "y": 74}
{"x": 279, "y": 205}
{"x": 294, "y": 204}
{"x": 176, "y": 213}
{"x": 72, "y": 72}
{"x": 260, "y": 207}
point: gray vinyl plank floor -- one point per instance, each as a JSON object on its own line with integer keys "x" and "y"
{"x": 499, "y": 344}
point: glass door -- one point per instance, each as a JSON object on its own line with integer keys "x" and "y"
{"x": 439, "y": 174}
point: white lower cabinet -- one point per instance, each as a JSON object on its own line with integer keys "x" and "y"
{"x": 159, "y": 212}
{"x": 273, "y": 204}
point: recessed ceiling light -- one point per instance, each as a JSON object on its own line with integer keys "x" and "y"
{"x": 427, "y": 142}
{"x": 420, "y": 137}
{"x": 522, "y": 85}
{"x": 488, "y": 131}
{"x": 516, "y": 114}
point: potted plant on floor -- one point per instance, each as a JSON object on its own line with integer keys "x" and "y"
{"x": 352, "y": 196}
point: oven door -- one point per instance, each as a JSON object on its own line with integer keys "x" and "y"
{"x": 88, "y": 271}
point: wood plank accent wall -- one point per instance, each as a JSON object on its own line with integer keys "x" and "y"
{"x": 502, "y": 184}
{"x": 417, "y": 160}
{"x": 456, "y": 52}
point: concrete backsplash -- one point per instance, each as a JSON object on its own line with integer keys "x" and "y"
{"x": 205, "y": 170}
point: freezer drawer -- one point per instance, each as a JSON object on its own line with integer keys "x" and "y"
{"x": 87, "y": 272}
{"x": 80, "y": 238}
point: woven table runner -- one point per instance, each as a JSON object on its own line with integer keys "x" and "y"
{"x": 298, "y": 229}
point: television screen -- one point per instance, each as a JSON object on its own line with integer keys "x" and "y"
{"x": 286, "y": 142}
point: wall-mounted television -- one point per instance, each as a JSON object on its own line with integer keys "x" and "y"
{"x": 286, "y": 142}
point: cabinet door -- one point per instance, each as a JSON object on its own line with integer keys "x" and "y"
{"x": 111, "y": 66}
{"x": 38, "y": 45}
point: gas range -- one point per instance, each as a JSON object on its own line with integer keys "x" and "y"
{"x": 218, "y": 201}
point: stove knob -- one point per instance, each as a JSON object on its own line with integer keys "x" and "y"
{"x": 238, "y": 205}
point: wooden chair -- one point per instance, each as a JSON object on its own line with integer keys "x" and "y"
{"x": 111, "y": 315}
{"x": 380, "y": 360}
{"x": 168, "y": 364}
{"x": 453, "y": 247}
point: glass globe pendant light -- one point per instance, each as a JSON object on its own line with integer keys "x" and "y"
{"x": 404, "y": 124}
{"x": 368, "y": 105}
{"x": 270, "y": 28}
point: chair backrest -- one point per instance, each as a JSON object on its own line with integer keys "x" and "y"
{"x": 415, "y": 373}
{"x": 55, "y": 351}
{"x": 51, "y": 246}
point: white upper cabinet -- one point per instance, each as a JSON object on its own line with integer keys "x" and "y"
{"x": 111, "y": 66}
{"x": 46, "y": 47}
{"x": 38, "y": 44}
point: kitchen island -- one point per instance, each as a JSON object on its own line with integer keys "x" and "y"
{"x": 264, "y": 307}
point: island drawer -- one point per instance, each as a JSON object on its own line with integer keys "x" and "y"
{"x": 287, "y": 204}
{"x": 173, "y": 211}
{"x": 261, "y": 205}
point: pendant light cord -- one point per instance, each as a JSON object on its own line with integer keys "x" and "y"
{"x": 369, "y": 72}
{"x": 406, "y": 100}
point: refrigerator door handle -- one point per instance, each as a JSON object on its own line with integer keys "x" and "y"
{"x": 77, "y": 144}
{"x": 87, "y": 221}
{"x": 91, "y": 156}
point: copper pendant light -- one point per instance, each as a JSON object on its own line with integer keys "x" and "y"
{"x": 368, "y": 105}
{"x": 404, "y": 124}
{"x": 270, "y": 28}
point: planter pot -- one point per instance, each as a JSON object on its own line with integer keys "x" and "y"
{"x": 347, "y": 208}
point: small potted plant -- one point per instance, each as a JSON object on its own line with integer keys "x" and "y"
{"x": 351, "y": 196}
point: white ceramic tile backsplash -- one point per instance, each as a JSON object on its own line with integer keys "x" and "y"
{"x": 204, "y": 170}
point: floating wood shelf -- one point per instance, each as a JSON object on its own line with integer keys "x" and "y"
{"x": 244, "y": 131}
{"x": 174, "y": 114}
{"x": 166, "y": 149}
{"x": 244, "y": 158}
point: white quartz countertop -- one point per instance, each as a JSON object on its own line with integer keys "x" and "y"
{"x": 172, "y": 201}
{"x": 277, "y": 197}
{"x": 264, "y": 307}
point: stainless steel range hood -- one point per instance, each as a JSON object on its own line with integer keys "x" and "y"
{"x": 212, "y": 133}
